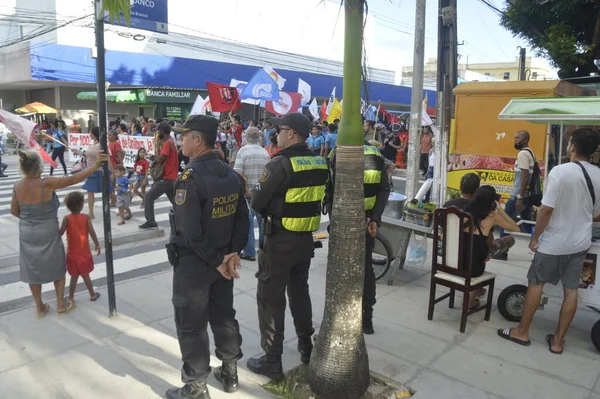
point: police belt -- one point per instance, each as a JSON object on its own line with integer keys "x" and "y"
{"x": 184, "y": 251}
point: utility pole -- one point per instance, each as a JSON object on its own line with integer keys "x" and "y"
{"x": 416, "y": 105}
{"x": 447, "y": 77}
{"x": 522, "y": 59}
{"x": 102, "y": 124}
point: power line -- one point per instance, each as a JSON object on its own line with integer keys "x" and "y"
{"x": 29, "y": 37}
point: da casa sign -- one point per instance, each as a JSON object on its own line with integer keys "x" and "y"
{"x": 166, "y": 96}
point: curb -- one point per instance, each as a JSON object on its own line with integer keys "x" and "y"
{"x": 121, "y": 239}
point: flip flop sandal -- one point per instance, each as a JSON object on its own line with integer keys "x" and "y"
{"x": 549, "y": 341}
{"x": 46, "y": 309}
{"x": 128, "y": 217}
{"x": 71, "y": 306}
{"x": 96, "y": 296}
{"x": 506, "y": 335}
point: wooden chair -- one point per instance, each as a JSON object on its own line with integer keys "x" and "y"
{"x": 450, "y": 269}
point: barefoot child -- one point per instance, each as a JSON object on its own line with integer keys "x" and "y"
{"x": 79, "y": 257}
{"x": 141, "y": 169}
{"x": 123, "y": 194}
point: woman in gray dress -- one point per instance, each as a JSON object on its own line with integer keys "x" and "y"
{"x": 42, "y": 254}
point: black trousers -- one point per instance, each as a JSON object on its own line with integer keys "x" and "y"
{"x": 424, "y": 164}
{"x": 369, "y": 300}
{"x": 158, "y": 188}
{"x": 283, "y": 263}
{"x": 201, "y": 296}
{"x": 59, "y": 152}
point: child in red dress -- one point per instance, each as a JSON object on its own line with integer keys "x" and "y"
{"x": 79, "y": 256}
{"x": 141, "y": 170}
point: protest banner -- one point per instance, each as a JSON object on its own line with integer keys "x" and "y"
{"x": 130, "y": 145}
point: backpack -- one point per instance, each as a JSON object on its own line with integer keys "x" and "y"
{"x": 534, "y": 189}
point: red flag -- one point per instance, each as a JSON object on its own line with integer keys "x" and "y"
{"x": 43, "y": 153}
{"x": 223, "y": 98}
{"x": 288, "y": 102}
{"x": 324, "y": 110}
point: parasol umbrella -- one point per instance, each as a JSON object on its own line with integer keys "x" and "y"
{"x": 37, "y": 108}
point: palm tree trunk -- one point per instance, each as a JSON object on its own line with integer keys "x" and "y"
{"x": 339, "y": 365}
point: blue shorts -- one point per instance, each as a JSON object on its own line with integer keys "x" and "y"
{"x": 140, "y": 178}
{"x": 93, "y": 184}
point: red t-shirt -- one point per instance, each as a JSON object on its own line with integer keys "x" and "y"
{"x": 171, "y": 165}
{"x": 114, "y": 148}
{"x": 237, "y": 131}
{"x": 403, "y": 136}
{"x": 141, "y": 166}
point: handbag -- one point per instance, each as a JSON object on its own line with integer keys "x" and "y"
{"x": 79, "y": 166}
{"x": 157, "y": 171}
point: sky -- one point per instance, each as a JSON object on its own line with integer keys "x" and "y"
{"x": 315, "y": 28}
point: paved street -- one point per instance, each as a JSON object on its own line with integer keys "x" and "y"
{"x": 136, "y": 252}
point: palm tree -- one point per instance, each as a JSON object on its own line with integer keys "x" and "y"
{"x": 116, "y": 7}
{"x": 339, "y": 365}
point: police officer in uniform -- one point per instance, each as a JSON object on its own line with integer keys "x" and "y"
{"x": 209, "y": 227}
{"x": 288, "y": 195}
{"x": 376, "y": 191}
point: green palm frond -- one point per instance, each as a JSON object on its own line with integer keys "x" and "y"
{"x": 117, "y": 7}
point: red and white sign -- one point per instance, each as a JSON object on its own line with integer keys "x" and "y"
{"x": 288, "y": 102}
{"x": 130, "y": 145}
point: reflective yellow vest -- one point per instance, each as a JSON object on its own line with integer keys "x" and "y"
{"x": 303, "y": 199}
{"x": 372, "y": 176}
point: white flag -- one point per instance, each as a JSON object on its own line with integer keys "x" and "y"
{"x": 425, "y": 118}
{"x": 198, "y": 104}
{"x": 276, "y": 77}
{"x": 240, "y": 86}
{"x": 313, "y": 108}
{"x": 304, "y": 89}
{"x": 18, "y": 126}
{"x": 206, "y": 107}
{"x": 331, "y": 101}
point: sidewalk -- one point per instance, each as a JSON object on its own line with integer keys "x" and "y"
{"x": 87, "y": 355}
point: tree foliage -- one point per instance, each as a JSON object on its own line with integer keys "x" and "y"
{"x": 567, "y": 32}
{"x": 117, "y": 7}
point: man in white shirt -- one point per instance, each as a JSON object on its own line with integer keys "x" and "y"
{"x": 562, "y": 237}
{"x": 250, "y": 162}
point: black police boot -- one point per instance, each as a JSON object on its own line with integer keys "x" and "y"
{"x": 269, "y": 366}
{"x": 227, "y": 375}
{"x": 305, "y": 348}
{"x": 194, "y": 390}
{"x": 367, "y": 322}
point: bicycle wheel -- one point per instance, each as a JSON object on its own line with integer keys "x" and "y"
{"x": 382, "y": 256}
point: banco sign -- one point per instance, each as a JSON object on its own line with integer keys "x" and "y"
{"x": 144, "y": 3}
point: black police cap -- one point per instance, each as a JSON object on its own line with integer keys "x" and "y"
{"x": 200, "y": 123}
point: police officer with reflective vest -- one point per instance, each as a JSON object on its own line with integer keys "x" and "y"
{"x": 376, "y": 191}
{"x": 289, "y": 196}
{"x": 209, "y": 227}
